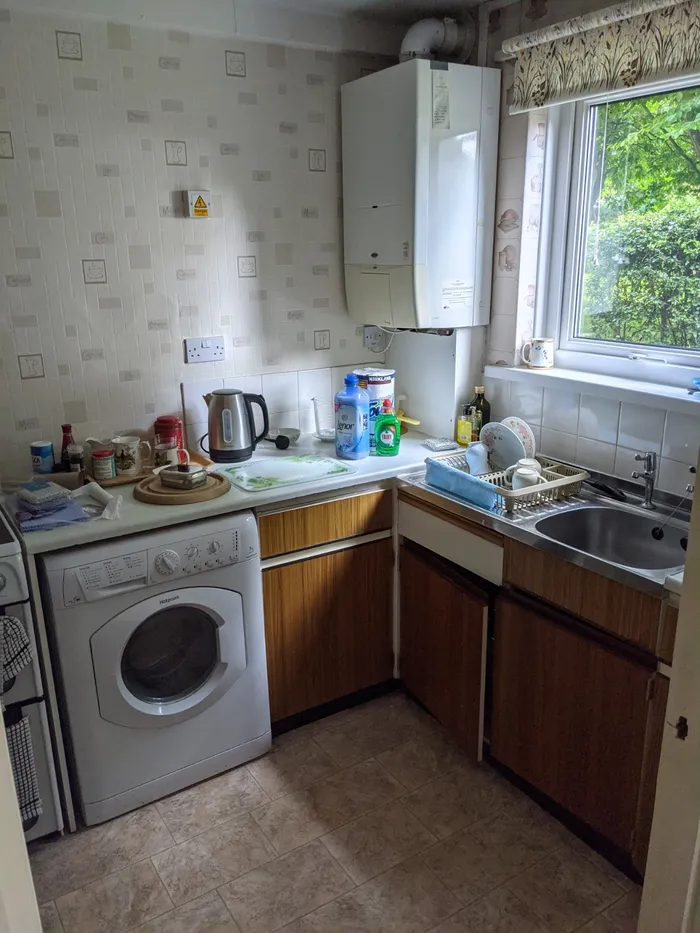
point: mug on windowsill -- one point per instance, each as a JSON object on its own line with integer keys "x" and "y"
{"x": 538, "y": 353}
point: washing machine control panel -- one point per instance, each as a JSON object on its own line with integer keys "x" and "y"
{"x": 196, "y": 555}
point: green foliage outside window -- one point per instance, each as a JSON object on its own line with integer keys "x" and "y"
{"x": 642, "y": 272}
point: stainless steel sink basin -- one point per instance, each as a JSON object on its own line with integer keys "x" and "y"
{"x": 617, "y": 535}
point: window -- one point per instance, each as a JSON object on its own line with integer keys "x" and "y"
{"x": 624, "y": 262}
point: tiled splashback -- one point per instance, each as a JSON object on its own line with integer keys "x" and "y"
{"x": 602, "y": 434}
{"x": 287, "y": 395}
{"x": 102, "y": 126}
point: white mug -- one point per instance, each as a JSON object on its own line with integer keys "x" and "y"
{"x": 541, "y": 355}
{"x": 127, "y": 454}
{"x": 525, "y": 463}
{"x": 167, "y": 455}
{"x": 523, "y": 477}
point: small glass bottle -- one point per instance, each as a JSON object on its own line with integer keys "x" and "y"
{"x": 65, "y": 441}
{"x": 76, "y": 458}
{"x": 480, "y": 410}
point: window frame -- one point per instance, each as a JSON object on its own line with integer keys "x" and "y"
{"x": 565, "y": 211}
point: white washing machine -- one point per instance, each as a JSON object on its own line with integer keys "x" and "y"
{"x": 161, "y": 651}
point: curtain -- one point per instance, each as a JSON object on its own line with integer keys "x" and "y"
{"x": 617, "y": 47}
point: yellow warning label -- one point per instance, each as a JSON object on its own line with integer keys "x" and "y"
{"x": 200, "y": 207}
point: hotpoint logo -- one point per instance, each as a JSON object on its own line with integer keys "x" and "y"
{"x": 170, "y": 599}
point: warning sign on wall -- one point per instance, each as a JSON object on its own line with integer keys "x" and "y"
{"x": 196, "y": 203}
{"x": 200, "y": 207}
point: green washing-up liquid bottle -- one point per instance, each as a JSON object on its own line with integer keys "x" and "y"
{"x": 387, "y": 432}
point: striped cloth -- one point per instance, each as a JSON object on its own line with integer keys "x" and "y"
{"x": 19, "y": 742}
{"x": 15, "y": 649}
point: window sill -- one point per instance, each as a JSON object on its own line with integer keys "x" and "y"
{"x": 669, "y": 398}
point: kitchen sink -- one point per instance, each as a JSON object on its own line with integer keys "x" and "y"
{"x": 617, "y": 535}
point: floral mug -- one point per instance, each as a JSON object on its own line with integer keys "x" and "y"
{"x": 127, "y": 454}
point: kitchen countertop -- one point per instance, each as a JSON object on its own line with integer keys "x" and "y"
{"x": 138, "y": 516}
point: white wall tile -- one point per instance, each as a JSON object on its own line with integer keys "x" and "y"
{"x": 625, "y": 464}
{"x": 195, "y": 409}
{"x": 526, "y": 402}
{"x": 251, "y": 384}
{"x": 595, "y": 455}
{"x": 498, "y": 393}
{"x": 560, "y": 410}
{"x": 674, "y": 476}
{"x": 281, "y": 392}
{"x": 599, "y": 418}
{"x": 641, "y": 428}
{"x": 314, "y": 383}
{"x": 681, "y": 437}
{"x": 559, "y": 445}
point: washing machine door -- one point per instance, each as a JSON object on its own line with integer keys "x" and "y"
{"x": 166, "y": 659}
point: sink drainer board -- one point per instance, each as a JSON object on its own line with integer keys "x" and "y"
{"x": 561, "y": 482}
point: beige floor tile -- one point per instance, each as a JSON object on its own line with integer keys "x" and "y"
{"x": 602, "y": 863}
{"x": 50, "y": 921}
{"x": 620, "y": 917}
{"x": 291, "y": 767}
{"x": 207, "y": 914}
{"x": 565, "y": 890}
{"x": 499, "y": 912}
{"x": 460, "y": 798}
{"x": 71, "y": 862}
{"x": 267, "y": 898}
{"x": 201, "y": 807}
{"x": 374, "y": 731}
{"x": 299, "y": 817}
{"x": 115, "y": 903}
{"x": 475, "y": 861}
{"x": 378, "y": 841}
{"x": 213, "y": 858}
{"x": 421, "y": 759}
{"x": 405, "y": 899}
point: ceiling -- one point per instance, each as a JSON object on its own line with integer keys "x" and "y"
{"x": 392, "y": 11}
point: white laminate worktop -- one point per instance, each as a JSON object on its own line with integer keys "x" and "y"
{"x": 137, "y": 516}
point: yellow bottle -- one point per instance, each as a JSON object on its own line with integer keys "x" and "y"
{"x": 463, "y": 434}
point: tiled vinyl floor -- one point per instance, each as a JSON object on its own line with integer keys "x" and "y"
{"x": 369, "y": 821}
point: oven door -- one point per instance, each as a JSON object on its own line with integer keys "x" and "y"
{"x": 167, "y": 658}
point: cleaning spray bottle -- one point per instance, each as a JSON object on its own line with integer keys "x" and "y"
{"x": 387, "y": 432}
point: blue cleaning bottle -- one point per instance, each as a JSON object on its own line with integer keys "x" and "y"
{"x": 352, "y": 420}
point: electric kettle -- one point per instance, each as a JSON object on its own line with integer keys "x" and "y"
{"x": 231, "y": 432}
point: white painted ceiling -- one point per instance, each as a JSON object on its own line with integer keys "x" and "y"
{"x": 392, "y": 11}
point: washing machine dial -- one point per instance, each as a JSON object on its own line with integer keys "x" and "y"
{"x": 192, "y": 551}
{"x": 167, "y": 562}
{"x": 3, "y": 582}
{"x": 214, "y": 547}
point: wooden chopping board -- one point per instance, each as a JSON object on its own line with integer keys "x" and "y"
{"x": 151, "y": 490}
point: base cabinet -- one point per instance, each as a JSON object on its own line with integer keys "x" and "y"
{"x": 444, "y": 623}
{"x": 571, "y": 715}
{"x": 328, "y": 626}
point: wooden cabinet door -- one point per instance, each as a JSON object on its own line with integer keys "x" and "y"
{"x": 443, "y": 645}
{"x": 569, "y": 715}
{"x": 328, "y": 626}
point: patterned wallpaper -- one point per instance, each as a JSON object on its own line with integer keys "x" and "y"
{"x": 102, "y": 126}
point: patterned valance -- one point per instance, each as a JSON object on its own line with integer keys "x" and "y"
{"x": 621, "y": 46}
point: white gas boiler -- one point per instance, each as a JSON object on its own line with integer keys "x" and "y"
{"x": 420, "y": 152}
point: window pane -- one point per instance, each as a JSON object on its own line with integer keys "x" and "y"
{"x": 641, "y": 277}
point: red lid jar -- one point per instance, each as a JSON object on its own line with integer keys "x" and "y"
{"x": 168, "y": 429}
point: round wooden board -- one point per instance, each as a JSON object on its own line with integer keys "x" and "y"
{"x": 153, "y": 491}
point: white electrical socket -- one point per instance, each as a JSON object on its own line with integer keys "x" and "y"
{"x": 204, "y": 349}
{"x": 373, "y": 337}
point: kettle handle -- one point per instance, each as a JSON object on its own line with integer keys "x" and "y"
{"x": 250, "y": 398}
{"x": 201, "y": 443}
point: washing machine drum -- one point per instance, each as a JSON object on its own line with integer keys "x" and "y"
{"x": 158, "y": 664}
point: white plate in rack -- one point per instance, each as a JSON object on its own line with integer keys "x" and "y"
{"x": 503, "y": 445}
{"x": 524, "y": 432}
